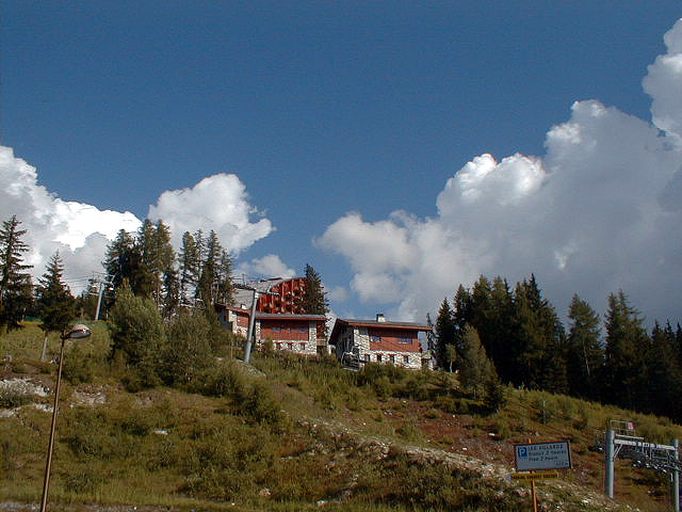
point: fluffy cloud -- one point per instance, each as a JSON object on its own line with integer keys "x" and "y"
{"x": 78, "y": 231}
{"x": 81, "y": 232}
{"x": 218, "y": 202}
{"x": 268, "y": 266}
{"x": 598, "y": 212}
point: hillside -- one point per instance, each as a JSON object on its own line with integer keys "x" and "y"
{"x": 289, "y": 434}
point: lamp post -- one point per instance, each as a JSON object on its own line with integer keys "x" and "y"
{"x": 78, "y": 331}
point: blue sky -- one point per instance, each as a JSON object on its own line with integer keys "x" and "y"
{"x": 319, "y": 108}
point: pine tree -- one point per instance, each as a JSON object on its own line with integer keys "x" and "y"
{"x": 445, "y": 333}
{"x": 224, "y": 287}
{"x": 500, "y": 331}
{"x": 190, "y": 267}
{"x": 585, "y": 355}
{"x": 121, "y": 260}
{"x": 663, "y": 379}
{"x": 313, "y": 300}
{"x": 56, "y": 306}
{"x": 538, "y": 344}
{"x": 16, "y": 294}
{"x": 477, "y": 371}
{"x": 206, "y": 287}
{"x": 626, "y": 342}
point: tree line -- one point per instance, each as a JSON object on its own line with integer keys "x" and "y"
{"x": 616, "y": 361}
{"x": 144, "y": 262}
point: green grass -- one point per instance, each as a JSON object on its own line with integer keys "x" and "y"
{"x": 289, "y": 435}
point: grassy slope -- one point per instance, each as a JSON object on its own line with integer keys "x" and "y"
{"x": 295, "y": 433}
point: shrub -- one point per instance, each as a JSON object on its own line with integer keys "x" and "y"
{"x": 187, "y": 351}
{"x": 10, "y": 398}
{"x": 137, "y": 333}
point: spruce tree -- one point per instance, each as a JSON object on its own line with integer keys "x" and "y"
{"x": 121, "y": 260}
{"x": 224, "y": 287}
{"x": 56, "y": 307}
{"x": 626, "y": 342}
{"x": 207, "y": 285}
{"x": 538, "y": 345}
{"x": 190, "y": 267}
{"x": 16, "y": 294}
{"x": 663, "y": 375}
{"x": 585, "y": 355}
{"x": 477, "y": 371}
{"x": 500, "y": 331}
{"x": 445, "y": 333}
{"x": 314, "y": 298}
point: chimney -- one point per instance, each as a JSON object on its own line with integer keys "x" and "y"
{"x": 381, "y": 317}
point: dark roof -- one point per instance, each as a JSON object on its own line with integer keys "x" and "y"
{"x": 289, "y": 316}
{"x": 348, "y": 322}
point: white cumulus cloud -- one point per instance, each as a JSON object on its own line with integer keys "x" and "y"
{"x": 599, "y": 211}
{"x": 81, "y": 232}
{"x": 217, "y": 202}
{"x": 78, "y": 231}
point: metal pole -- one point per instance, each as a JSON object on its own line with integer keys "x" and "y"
{"x": 251, "y": 333}
{"x": 99, "y": 300}
{"x": 676, "y": 477}
{"x": 533, "y": 491}
{"x": 53, "y": 428}
{"x": 610, "y": 460}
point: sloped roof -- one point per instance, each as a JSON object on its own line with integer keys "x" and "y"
{"x": 349, "y": 322}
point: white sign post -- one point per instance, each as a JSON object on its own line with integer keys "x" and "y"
{"x": 540, "y": 456}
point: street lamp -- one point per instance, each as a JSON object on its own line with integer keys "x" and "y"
{"x": 77, "y": 332}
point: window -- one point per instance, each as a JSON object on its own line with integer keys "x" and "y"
{"x": 392, "y": 358}
{"x": 374, "y": 338}
{"x": 378, "y": 358}
{"x": 291, "y": 346}
{"x": 367, "y": 358}
{"x": 406, "y": 359}
{"x": 405, "y": 339}
{"x": 302, "y": 347}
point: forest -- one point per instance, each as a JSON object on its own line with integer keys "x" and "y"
{"x": 617, "y": 361}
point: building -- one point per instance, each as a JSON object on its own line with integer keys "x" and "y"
{"x": 278, "y": 317}
{"x": 303, "y": 334}
{"x": 379, "y": 341}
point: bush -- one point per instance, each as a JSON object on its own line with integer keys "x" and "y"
{"x": 10, "y": 398}
{"x": 137, "y": 333}
{"x": 188, "y": 351}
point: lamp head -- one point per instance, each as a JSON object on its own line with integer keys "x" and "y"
{"x": 78, "y": 331}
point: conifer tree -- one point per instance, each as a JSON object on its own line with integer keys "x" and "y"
{"x": 539, "y": 352}
{"x": 477, "y": 371}
{"x": 190, "y": 267}
{"x": 56, "y": 306}
{"x": 445, "y": 333}
{"x": 122, "y": 260}
{"x": 206, "y": 287}
{"x": 314, "y": 298}
{"x": 585, "y": 355}
{"x": 626, "y": 342}
{"x": 16, "y": 294}
{"x": 500, "y": 331}
{"x": 224, "y": 287}
{"x": 663, "y": 379}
